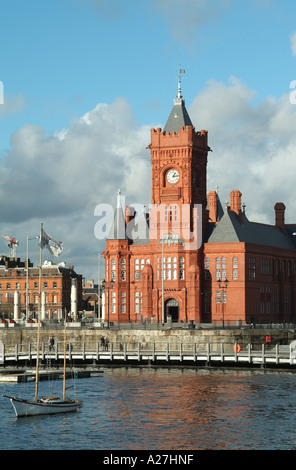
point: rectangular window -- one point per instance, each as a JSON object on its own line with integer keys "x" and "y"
{"x": 252, "y": 269}
{"x": 234, "y": 268}
{"x": 207, "y": 269}
{"x": 182, "y": 266}
{"x": 137, "y": 270}
{"x": 123, "y": 301}
{"x": 224, "y": 293}
{"x": 123, "y": 267}
{"x": 138, "y": 302}
{"x": 218, "y": 297}
{"x": 223, "y": 268}
{"x": 288, "y": 300}
{"x": 218, "y": 269}
{"x": 264, "y": 266}
{"x": 113, "y": 302}
{"x": 113, "y": 270}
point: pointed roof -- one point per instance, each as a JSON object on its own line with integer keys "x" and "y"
{"x": 179, "y": 116}
{"x": 232, "y": 229}
{"x": 140, "y": 232}
{"x": 118, "y": 227}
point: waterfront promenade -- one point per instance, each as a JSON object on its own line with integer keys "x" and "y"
{"x": 138, "y": 344}
{"x": 156, "y": 353}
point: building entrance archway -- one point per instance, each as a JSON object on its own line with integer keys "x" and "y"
{"x": 172, "y": 310}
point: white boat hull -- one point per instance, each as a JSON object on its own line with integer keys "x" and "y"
{"x": 24, "y": 407}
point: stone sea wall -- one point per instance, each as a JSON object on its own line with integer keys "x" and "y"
{"x": 89, "y": 336}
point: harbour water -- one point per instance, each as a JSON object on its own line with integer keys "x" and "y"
{"x": 162, "y": 408}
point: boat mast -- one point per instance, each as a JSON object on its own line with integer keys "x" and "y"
{"x": 39, "y": 317}
{"x": 64, "y": 377}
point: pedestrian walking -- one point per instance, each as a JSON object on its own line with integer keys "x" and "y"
{"x": 51, "y": 343}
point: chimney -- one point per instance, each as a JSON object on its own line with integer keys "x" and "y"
{"x": 235, "y": 201}
{"x": 212, "y": 202}
{"x": 129, "y": 214}
{"x": 280, "y": 216}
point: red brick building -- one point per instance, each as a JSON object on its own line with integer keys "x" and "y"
{"x": 187, "y": 258}
{"x": 61, "y": 288}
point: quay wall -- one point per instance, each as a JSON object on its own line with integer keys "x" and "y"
{"x": 89, "y": 336}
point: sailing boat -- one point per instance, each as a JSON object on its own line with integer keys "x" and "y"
{"x": 44, "y": 405}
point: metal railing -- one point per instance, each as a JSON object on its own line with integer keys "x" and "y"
{"x": 152, "y": 350}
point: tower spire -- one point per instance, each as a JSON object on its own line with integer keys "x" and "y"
{"x": 180, "y": 71}
{"x": 179, "y": 116}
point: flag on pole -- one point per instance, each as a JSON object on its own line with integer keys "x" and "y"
{"x": 54, "y": 246}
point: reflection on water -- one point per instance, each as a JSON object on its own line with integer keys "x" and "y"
{"x": 180, "y": 409}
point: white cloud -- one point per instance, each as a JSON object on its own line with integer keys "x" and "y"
{"x": 59, "y": 179}
{"x": 254, "y": 146}
{"x": 293, "y": 42}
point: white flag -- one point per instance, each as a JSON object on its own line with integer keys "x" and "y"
{"x": 55, "y": 247}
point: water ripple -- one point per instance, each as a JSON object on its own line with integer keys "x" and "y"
{"x": 150, "y": 409}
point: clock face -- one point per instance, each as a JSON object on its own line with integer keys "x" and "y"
{"x": 173, "y": 176}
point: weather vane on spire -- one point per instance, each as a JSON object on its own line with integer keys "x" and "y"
{"x": 180, "y": 71}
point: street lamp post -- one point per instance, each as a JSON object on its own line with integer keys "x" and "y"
{"x": 223, "y": 287}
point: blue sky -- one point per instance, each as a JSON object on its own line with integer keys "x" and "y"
{"x": 113, "y": 65}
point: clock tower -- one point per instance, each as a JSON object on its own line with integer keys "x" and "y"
{"x": 179, "y": 170}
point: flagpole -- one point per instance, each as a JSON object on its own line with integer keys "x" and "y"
{"x": 27, "y": 281}
{"x": 27, "y": 278}
{"x": 39, "y": 315}
{"x": 99, "y": 289}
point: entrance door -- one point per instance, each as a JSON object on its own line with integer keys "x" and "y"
{"x": 172, "y": 310}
